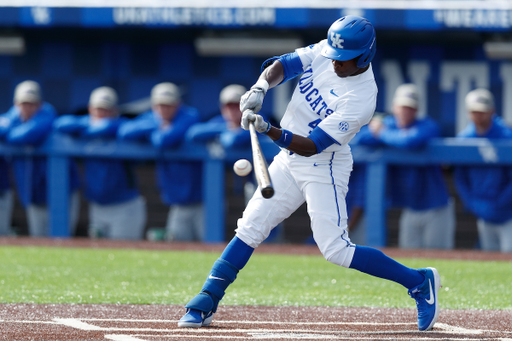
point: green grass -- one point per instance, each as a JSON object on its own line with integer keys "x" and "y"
{"x": 65, "y": 275}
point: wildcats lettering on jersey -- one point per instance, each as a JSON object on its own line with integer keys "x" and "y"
{"x": 312, "y": 94}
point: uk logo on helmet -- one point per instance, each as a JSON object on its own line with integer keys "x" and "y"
{"x": 336, "y": 40}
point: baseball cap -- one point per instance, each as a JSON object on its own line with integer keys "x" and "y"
{"x": 232, "y": 94}
{"x": 165, "y": 93}
{"x": 479, "y": 100}
{"x": 27, "y": 92}
{"x": 103, "y": 97}
{"x": 406, "y": 95}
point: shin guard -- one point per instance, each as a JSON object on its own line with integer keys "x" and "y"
{"x": 221, "y": 276}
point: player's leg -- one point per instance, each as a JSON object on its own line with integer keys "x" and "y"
{"x": 197, "y": 221}
{"x": 178, "y": 224}
{"x": 326, "y": 207}
{"x": 127, "y": 219}
{"x": 74, "y": 211}
{"x": 410, "y": 229}
{"x": 489, "y": 239}
{"x": 329, "y": 221}
{"x": 440, "y": 227}
{"x": 37, "y": 218}
{"x": 6, "y": 205}
{"x": 258, "y": 219}
{"x": 98, "y": 221}
{"x": 505, "y": 233}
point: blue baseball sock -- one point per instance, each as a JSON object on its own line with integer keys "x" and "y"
{"x": 374, "y": 262}
{"x": 237, "y": 253}
{"x": 222, "y": 274}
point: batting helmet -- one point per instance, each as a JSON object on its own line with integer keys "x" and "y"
{"x": 350, "y": 37}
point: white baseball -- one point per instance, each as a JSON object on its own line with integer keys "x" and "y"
{"x": 242, "y": 167}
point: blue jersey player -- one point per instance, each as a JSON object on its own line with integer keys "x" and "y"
{"x": 335, "y": 96}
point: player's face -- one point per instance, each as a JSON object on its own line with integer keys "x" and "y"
{"x": 28, "y": 109}
{"x": 347, "y": 68}
{"x": 404, "y": 115}
{"x": 99, "y": 113}
{"x": 481, "y": 119}
{"x": 166, "y": 111}
{"x": 232, "y": 114}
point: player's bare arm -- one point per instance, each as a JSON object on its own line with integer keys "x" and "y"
{"x": 301, "y": 145}
{"x": 274, "y": 74}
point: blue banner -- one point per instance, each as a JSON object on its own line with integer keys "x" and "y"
{"x": 402, "y": 19}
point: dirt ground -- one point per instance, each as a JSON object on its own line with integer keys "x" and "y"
{"x": 159, "y": 322}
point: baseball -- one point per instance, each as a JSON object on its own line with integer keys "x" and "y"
{"x": 242, "y": 167}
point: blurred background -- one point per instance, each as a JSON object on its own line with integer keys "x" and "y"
{"x": 71, "y": 47}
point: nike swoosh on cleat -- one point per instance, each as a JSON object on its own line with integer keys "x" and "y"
{"x": 213, "y": 277}
{"x": 431, "y": 299}
{"x": 332, "y": 92}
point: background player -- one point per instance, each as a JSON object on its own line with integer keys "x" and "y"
{"x": 28, "y": 123}
{"x": 6, "y": 197}
{"x": 335, "y": 96}
{"x": 427, "y": 219}
{"x": 116, "y": 208}
{"x": 226, "y": 126}
{"x": 487, "y": 191}
{"x": 180, "y": 182}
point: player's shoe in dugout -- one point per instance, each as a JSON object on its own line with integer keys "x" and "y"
{"x": 425, "y": 295}
{"x": 195, "y": 319}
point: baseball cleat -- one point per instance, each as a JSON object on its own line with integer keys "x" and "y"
{"x": 194, "y": 318}
{"x": 425, "y": 295}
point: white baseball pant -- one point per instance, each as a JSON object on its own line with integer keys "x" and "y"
{"x": 124, "y": 220}
{"x": 185, "y": 223}
{"x": 429, "y": 229}
{"x": 322, "y": 182}
{"x": 37, "y": 217}
{"x": 6, "y": 205}
{"x": 495, "y": 237}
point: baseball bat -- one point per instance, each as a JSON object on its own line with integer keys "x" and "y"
{"x": 260, "y": 165}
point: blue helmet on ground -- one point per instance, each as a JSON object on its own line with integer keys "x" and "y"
{"x": 350, "y": 37}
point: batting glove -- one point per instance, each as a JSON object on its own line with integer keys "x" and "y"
{"x": 253, "y": 99}
{"x": 260, "y": 124}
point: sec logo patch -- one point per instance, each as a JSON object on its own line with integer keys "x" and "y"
{"x": 343, "y": 126}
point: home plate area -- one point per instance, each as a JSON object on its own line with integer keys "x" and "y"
{"x": 159, "y": 322}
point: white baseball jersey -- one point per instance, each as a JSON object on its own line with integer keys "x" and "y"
{"x": 339, "y": 106}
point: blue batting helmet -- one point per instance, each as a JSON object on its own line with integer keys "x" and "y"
{"x": 350, "y": 37}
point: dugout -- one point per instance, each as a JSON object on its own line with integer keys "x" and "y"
{"x": 72, "y": 49}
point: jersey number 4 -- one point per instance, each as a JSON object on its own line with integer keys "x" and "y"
{"x": 313, "y": 124}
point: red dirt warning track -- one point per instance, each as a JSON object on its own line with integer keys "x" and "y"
{"x": 159, "y": 322}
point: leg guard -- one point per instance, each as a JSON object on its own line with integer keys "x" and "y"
{"x": 221, "y": 276}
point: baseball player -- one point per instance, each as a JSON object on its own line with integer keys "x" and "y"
{"x": 226, "y": 126}
{"x": 116, "y": 208}
{"x": 6, "y": 199}
{"x": 334, "y": 97}
{"x": 180, "y": 182}
{"x": 487, "y": 191}
{"x": 28, "y": 122}
{"x": 427, "y": 219}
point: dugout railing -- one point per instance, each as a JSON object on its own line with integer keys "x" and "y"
{"x": 60, "y": 148}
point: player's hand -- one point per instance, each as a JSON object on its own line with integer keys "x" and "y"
{"x": 375, "y": 126}
{"x": 260, "y": 124}
{"x": 252, "y": 99}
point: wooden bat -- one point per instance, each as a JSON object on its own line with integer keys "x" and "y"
{"x": 260, "y": 165}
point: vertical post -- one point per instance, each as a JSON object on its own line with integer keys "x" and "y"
{"x": 58, "y": 195}
{"x": 213, "y": 200}
{"x": 376, "y": 229}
